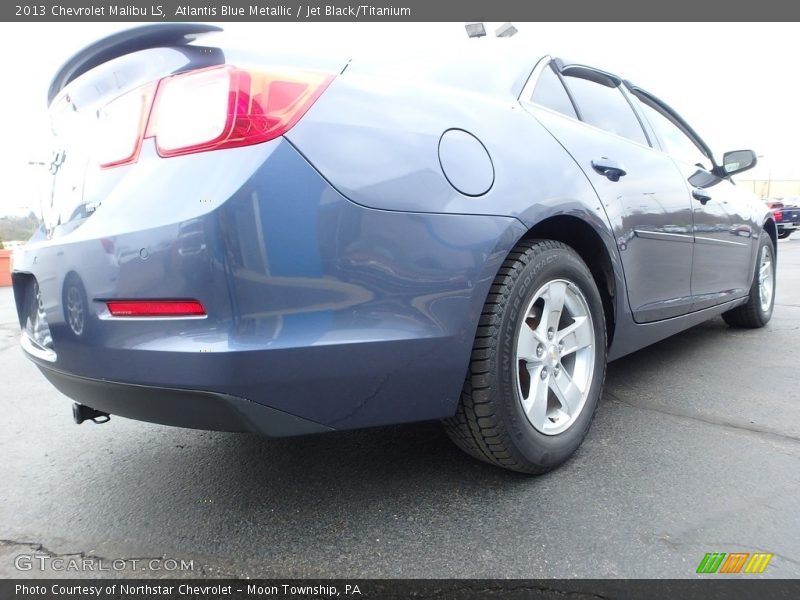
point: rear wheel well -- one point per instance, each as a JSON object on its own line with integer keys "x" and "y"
{"x": 582, "y": 238}
{"x": 772, "y": 231}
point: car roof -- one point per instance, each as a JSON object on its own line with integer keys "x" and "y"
{"x": 487, "y": 66}
{"x": 495, "y": 70}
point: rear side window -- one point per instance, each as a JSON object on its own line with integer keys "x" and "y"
{"x": 605, "y": 107}
{"x": 675, "y": 142}
{"x": 550, "y": 93}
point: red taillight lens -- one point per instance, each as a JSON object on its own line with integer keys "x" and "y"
{"x": 155, "y": 308}
{"x": 778, "y": 215}
{"x": 229, "y": 107}
{"x": 208, "y": 109}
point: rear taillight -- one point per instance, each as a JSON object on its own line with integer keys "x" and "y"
{"x": 229, "y": 107}
{"x": 778, "y": 214}
{"x": 208, "y": 109}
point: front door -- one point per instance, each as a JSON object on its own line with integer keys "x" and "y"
{"x": 723, "y": 226}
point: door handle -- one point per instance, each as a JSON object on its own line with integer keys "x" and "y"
{"x": 702, "y": 195}
{"x": 610, "y": 168}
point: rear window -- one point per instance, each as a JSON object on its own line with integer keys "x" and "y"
{"x": 605, "y": 107}
{"x": 550, "y": 93}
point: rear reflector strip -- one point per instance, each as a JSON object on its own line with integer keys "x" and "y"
{"x": 155, "y": 308}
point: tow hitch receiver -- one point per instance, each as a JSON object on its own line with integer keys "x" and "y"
{"x": 81, "y": 413}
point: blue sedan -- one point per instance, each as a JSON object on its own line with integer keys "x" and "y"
{"x": 238, "y": 240}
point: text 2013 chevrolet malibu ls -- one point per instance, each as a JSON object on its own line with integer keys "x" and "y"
{"x": 244, "y": 241}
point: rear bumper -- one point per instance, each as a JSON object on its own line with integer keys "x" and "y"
{"x": 182, "y": 408}
{"x": 316, "y": 306}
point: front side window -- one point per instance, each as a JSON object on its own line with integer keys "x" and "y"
{"x": 673, "y": 139}
{"x": 605, "y": 107}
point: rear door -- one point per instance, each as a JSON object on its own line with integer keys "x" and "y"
{"x": 724, "y": 229}
{"x": 642, "y": 190}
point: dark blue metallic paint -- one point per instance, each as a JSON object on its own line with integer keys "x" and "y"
{"x": 316, "y": 306}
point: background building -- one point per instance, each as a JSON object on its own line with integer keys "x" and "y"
{"x": 771, "y": 188}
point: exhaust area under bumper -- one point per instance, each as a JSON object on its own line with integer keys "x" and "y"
{"x": 179, "y": 407}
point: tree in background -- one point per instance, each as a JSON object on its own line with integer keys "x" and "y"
{"x": 18, "y": 228}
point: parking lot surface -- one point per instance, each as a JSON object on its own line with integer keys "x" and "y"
{"x": 695, "y": 449}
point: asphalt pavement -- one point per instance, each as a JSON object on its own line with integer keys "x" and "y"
{"x": 695, "y": 449}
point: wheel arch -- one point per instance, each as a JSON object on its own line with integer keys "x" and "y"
{"x": 71, "y": 275}
{"x": 588, "y": 243}
{"x": 772, "y": 230}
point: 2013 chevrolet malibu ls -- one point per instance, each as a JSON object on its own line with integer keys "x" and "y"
{"x": 244, "y": 241}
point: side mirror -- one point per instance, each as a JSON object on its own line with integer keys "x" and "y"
{"x": 738, "y": 161}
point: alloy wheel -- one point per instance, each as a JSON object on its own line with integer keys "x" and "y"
{"x": 555, "y": 356}
{"x": 766, "y": 280}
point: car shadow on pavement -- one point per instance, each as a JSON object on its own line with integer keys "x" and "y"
{"x": 695, "y": 341}
{"x": 395, "y": 466}
{"x": 390, "y": 463}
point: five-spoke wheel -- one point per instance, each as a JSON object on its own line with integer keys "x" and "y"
{"x": 555, "y": 356}
{"x": 757, "y": 310}
{"x": 538, "y": 362}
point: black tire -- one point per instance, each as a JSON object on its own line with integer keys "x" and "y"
{"x": 784, "y": 234}
{"x": 752, "y": 315}
{"x": 490, "y": 423}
